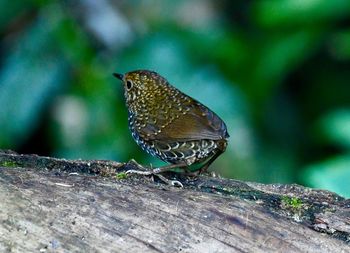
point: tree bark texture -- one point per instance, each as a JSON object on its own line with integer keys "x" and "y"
{"x": 57, "y": 205}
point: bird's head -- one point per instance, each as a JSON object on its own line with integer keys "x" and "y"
{"x": 143, "y": 87}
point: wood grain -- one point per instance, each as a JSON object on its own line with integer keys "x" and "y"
{"x": 54, "y": 210}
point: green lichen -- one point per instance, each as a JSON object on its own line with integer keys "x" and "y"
{"x": 121, "y": 176}
{"x": 8, "y": 164}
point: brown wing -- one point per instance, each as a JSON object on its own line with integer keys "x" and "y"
{"x": 198, "y": 123}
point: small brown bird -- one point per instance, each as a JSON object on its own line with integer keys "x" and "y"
{"x": 170, "y": 125}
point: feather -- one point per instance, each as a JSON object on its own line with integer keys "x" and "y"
{"x": 198, "y": 123}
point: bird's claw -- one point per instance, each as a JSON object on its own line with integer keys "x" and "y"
{"x": 137, "y": 165}
{"x": 174, "y": 183}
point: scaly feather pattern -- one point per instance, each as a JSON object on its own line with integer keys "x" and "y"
{"x": 169, "y": 124}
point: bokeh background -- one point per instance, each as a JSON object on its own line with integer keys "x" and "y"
{"x": 277, "y": 72}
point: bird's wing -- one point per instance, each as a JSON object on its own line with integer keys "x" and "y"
{"x": 197, "y": 123}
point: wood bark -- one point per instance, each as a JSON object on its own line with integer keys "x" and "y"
{"x": 57, "y": 205}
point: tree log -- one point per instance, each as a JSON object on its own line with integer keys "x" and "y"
{"x": 57, "y": 205}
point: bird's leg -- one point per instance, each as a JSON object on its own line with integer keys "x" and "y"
{"x": 146, "y": 171}
{"x": 168, "y": 167}
{"x": 220, "y": 149}
{"x": 175, "y": 183}
{"x": 140, "y": 168}
{"x": 157, "y": 172}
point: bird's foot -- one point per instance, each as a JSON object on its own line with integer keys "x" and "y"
{"x": 145, "y": 171}
{"x": 174, "y": 183}
{"x": 137, "y": 165}
{"x": 153, "y": 172}
{"x": 140, "y": 169}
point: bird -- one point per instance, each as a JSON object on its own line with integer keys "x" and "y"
{"x": 170, "y": 125}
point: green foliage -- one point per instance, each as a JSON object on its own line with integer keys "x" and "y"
{"x": 334, "y": 127}
{"x": 332, "y": 174}
{"x": 277, "y": 72}
{"x": 32, "y": 73}
{"x": 294, "y": 12}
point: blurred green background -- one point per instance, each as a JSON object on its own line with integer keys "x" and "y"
{"x": 277, "y": 72}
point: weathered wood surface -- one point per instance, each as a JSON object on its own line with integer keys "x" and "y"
{"x": 46, "y": 207}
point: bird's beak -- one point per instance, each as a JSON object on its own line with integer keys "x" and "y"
{"x": 119, "y": 76}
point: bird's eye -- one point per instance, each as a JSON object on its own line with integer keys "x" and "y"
{"x": 128, "y": 84}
